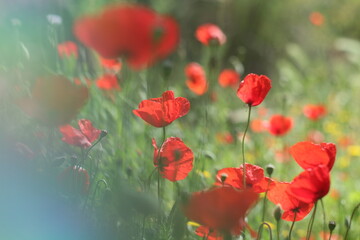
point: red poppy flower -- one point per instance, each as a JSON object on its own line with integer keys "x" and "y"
{"x": 196, "y": 79}
{"x": 255, "y": 178}
{"x": 54, "y": 100}
{"x": 221, "y": 208}
{"x": 133, "y": 31}
{"x": 253, "y": 89}
{"x": 229, "y": 78}
{"x": 108, "y": 82}
{"x": 314, "y": 112}
{"x": 81, "y": 138}
{"x": 289, "y": 204}
{"x": 210, "y": 33}
{"x": 174, "y": 159}
{"x": 316, "y": 18}
{"x": 311, "y": 155}
{"x": 67, "y": 49}
{"x": 74, "y": 180}
{"x": 112, "y": 64}
{"x": 160, "y": 112}
{"x": 279, "y": 125}
{"x": 311, "y": 185}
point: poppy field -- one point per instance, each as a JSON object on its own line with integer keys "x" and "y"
{"x": 181, "y": 120}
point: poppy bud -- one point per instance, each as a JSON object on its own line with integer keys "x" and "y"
{"x": 332, "y": 225}
{"x": 347, "y": 222}
{"x": 167, "y": 67}
{"x": 223, "y": 177}
{"x": 103, "y": 133}
{"x": 277, "y": 213}
{"x": 270, "y": 169}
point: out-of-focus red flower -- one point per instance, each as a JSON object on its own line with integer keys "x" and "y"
{"x": 67, "y": 49}
{"x": 225, "y": 137}
{"x": 87, "y": 81}
{"x": 316, "y": 18}
{"x": 345, "y": 141}
{"x": 196, "y": 79}
{"x": 74, "y": 180}
{"x": 112, "y": 64}
{"x": 253, "y": 89}
{"x": 279, "y": 125}
{"x": 255, "y": 178}
{"x": 229, "y": 78}
{"x": 210, "y": 33}
{"x": 315, "y": 136}
{"x": 174, "y": 159}
{"x": 326, "y": 235}
{"x": 310, "y": 155}
{"x": 311, "y": 185}
{"x": 81, "y": 138}
{"x": 55, "y": 100}
{"x": 138, "y": 33}
{"x": 314, "y": 112}
{"x": 258, "y": 125}
{"x": 278, "y": 194}
{"x": 160, "y": 112}
{"x": 108, "y": 82}
{"x": 221, "y": 209}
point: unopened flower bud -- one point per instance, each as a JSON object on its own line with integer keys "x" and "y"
{"x": 332, "y": 225}
{"x": 277, "y": 213}
{"x": 347, "y": 222}
{"x": 270, "y": 169}
{"x": 103, "y": 133}
{"x": 223, "y": 177}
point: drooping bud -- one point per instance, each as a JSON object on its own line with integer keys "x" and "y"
{"x": 103, "y": 133}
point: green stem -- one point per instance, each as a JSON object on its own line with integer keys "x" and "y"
{"x": 243, "y": 146}
{"x": 278, "y": 230}
{"x": 324, "y": 218}
{"x": 292, "y": 226}
{"x": 264, "y": 206}
{"x": 351, "y": 218}
{"x": 158, "y": 180}
{"x": 311, "y": 223}
{"x": 260, "y": 229}
{"x": 329, "y": 235}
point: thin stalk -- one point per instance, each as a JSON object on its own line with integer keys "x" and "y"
{"x": 329, "y": 235}
{"x": 292, "y": 226}
{"x": 260, "y": 229}
{"x": 351, "y": 218}
{"x": 324, "y": 218}
{"x": 278, "y": 229}
{"x": 158, "y": 179}
{"x": 311, "y": 223}
{"x": 264, "y": 207}
{"x": 243, "y": 146}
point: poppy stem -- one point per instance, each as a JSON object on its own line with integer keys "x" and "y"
{"x": 351, "y": 218}
{"x": 291, "y": 228}
{"x": 311, "y": 223}
{"x": 260, "y": 230}
{"x": 158, "y": 180}
{"x": 264, "y": 206}
{"x": 278, "y": 229}
{"x": 243, "y": 147}
{"x": 324, "y": 218}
